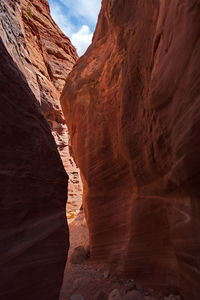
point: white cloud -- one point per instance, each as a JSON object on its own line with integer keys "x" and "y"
{"x": 61, "y": 19}
{"x": 77, "y": 19}
{"x": 82, "y": 39}
{"x": 88, "y": 9}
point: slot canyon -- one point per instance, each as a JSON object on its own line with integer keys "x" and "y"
{"x": 100, "y": 152}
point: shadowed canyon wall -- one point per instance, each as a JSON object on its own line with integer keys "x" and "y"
{"x": 132, "y": 107}
{"x": 45, "y": 56}
{"x": 33, "y": 229}
{"x": 33, "y": 188}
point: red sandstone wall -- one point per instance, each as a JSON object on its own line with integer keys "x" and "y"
{"x": 33, "y": 182}
{"x": 45, "y": 56}
{"x": 33, "y": 189}
{"x": 132, "y": 107}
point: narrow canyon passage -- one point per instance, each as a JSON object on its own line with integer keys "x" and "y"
{"x": 87, "y": 279}
{"x": 121, "y": 125}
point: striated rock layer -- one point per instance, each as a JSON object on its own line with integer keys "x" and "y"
{"x": 33, "y": 189}
{"x": 45, "y": 56}
{"x": 33, "y": 229}
{"x": 133, "y": 111}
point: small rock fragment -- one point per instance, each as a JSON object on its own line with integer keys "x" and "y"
{"x": 78, "y": 256}
{"x": 114, "y": 295}
{"x": 130, "y": 285}
{"x": 81, "y": 282}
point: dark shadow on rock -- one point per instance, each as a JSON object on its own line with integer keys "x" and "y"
{"x": 33, "y": 189}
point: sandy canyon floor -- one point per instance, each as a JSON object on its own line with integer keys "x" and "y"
{"x": 86, "y": 280}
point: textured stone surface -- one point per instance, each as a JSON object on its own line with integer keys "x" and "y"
{"x": 114, "y": 295}
{"x": 45, "y": 56}
{"x": 133, "y": 295}
{"x": 33, "y": 229}
{"x": 132, "y": 106}
{"x": 78, "y": 256}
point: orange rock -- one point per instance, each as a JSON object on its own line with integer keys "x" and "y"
{"x": 35, "y": 59}
{"x": 132, "y": 107}
{"x": 45, "y": 56}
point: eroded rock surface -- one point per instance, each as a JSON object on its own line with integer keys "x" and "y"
{"x": 132, "y": 107}
{"x": 33, "y": 189}
{"x": 45, "y": 56}
{"x": 33, "y": 229}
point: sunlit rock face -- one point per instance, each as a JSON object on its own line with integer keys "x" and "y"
{"x": 33, "y": 229}
{"x": 132, "y": 107}
{"x": 45, "y": 56}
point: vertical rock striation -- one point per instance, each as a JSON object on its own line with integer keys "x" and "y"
{"x": 45, "y": 56}
{"x": 132, "y": 107}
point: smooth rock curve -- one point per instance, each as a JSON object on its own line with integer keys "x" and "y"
{"x": 132, "y": 107}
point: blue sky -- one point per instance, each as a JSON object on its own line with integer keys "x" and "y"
{"x": 77, "y": 19}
